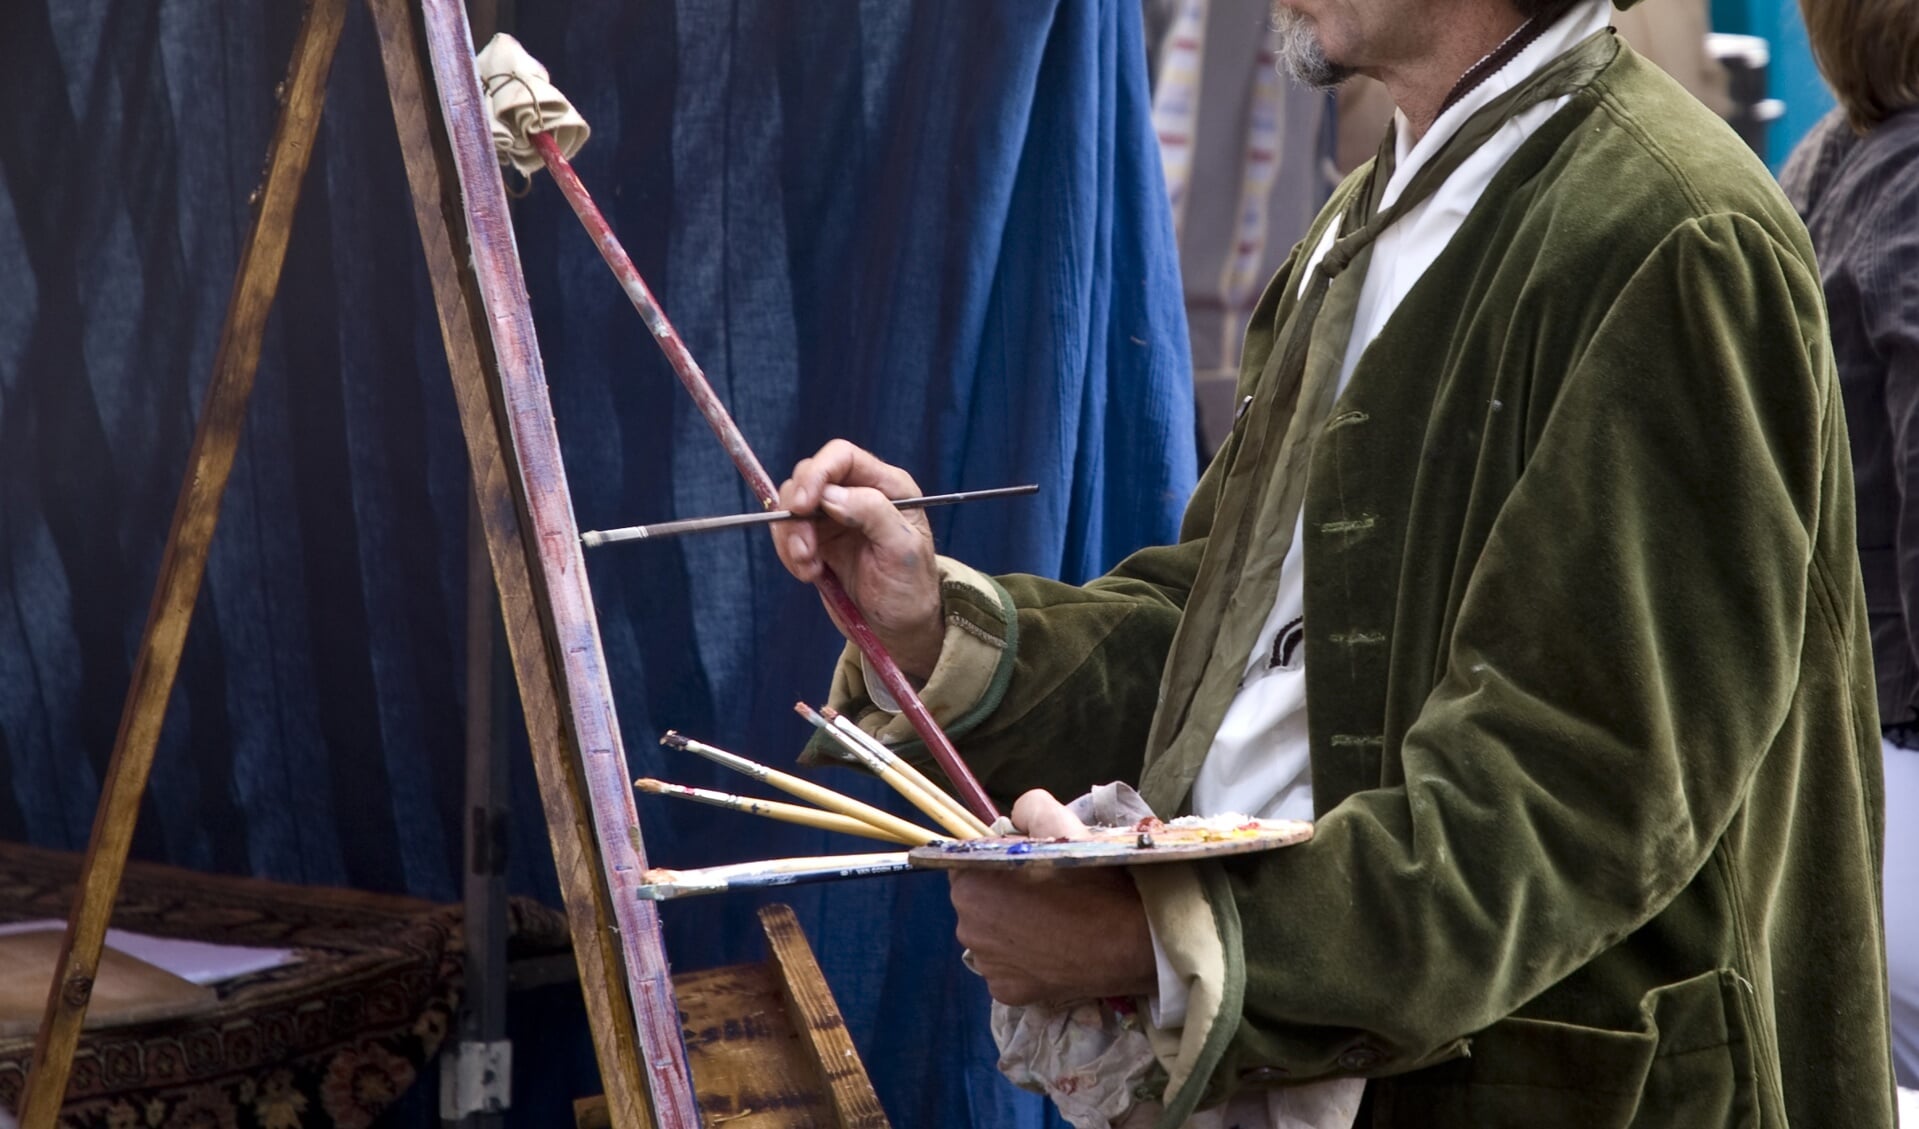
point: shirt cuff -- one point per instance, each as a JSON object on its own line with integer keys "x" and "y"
{"x": 1168, "y": 1003}
{"x": 970, "y": 659}
{"x": 967, "y": 683}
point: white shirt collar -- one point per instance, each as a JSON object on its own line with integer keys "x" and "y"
{"x": 1585, "y": 18}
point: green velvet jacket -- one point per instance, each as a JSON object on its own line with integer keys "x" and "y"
{"x": 1593, "y": 731}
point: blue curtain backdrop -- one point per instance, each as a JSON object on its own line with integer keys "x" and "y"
{"x": 937, "y": 228}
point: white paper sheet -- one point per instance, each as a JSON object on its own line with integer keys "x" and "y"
{"x": 198, "y": 962}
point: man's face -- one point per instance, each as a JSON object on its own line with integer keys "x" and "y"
{"x": 1325, "y": 42}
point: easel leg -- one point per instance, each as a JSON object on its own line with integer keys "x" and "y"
{"x": 470, "y": 358}
{"x": 215, "y": 443}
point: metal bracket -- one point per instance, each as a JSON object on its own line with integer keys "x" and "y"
{"x": 476, "y": 1078}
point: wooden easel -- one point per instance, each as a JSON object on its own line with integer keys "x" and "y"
{"x": 526, "y": 517}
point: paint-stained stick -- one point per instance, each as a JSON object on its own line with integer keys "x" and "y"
{"x": 888, "y": 757}
{"x": 773, "y": 809}
{"x": 661, "y": 883}
{"x": 594, "y": 538}
{"x": 904, "y": 830}
{"x": 919, "y": 797}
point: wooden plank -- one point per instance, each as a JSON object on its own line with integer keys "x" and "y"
{"x": 591, "y": 1113}
{"x": 821, "y": 1026}
{"x": 749, "y": 1065}
{"x": 216, "y": 440}
{"x": 470, "y": 358}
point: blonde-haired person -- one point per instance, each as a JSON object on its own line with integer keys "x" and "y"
{"x": 1855, "y": 180}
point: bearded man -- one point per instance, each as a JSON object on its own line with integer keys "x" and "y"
{"x": 1528, "y": 571}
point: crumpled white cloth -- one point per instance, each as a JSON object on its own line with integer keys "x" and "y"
{"x": 1087, "y": 1058}
{"x": 1090, "y": 1058}
{"x": 525, "y": 102}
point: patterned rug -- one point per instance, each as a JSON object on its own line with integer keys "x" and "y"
{"x": 331, "y": 1040}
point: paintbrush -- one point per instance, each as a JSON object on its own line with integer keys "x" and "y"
{"x": 662, "y": 883}
{"x": 919, "y": 797}
{"x": 773, "y": 809}
{"x": 594, "y": 538}
{"x": 903, "y": 830}
{"x": 893, "y": 760}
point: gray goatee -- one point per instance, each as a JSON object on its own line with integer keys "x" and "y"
{"x": 1301, "y": 54}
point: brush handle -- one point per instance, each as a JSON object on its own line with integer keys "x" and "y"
{"x": 928, "y": 802}
{"x": 594, "y": 538}
{"x": 894, "y": 761}
{"x": 783, "y": 813}
{"x": 661, "y": 885}
{"x": 906, "y": 831}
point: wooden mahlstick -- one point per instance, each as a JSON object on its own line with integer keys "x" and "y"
{"x": 845, "y": 611}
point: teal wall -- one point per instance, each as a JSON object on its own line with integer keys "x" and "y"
{"x": 1794, "y": 77}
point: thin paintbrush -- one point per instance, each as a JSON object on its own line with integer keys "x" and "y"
{"x": 661, "y": 883}
{"x": 894, "y": 761}
{"x": 773, "y": 809}
{"x": 594, "y": 538}
{"x": 919, "y": 797}
{"x": 904, "y": 830}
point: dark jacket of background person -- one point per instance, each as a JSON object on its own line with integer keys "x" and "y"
{"x": 1859, "y": 196}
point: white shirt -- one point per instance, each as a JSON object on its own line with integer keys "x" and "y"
{"x": 1258, "y": 763}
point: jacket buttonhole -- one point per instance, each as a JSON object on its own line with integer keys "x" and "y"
{"x": 1362, "y": 1057}
{"x": 1351, "y": 525}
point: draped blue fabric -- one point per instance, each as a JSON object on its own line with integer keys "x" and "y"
{"x": 935, "y": 228}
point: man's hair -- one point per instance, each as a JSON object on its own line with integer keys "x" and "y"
{"x": 1869, "y": 51}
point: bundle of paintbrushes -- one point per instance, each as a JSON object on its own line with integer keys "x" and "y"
{"x": 830, "y": 810}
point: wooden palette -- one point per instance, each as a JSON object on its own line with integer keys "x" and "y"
{"x": 1183, "y": 840}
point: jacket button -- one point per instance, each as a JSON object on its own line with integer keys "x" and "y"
{"x": 1268, "y": 1075}
{"x": 1361, "y": 1057}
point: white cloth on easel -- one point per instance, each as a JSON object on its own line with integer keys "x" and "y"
{"x": 524, "y": 102}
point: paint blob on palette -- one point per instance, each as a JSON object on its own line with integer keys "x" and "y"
{"x": 1135, "y": 844}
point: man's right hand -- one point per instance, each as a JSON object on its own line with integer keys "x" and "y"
{"x": 883, "y": 556}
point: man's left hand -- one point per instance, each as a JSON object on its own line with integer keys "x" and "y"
{"x": 1054, "y": 936}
